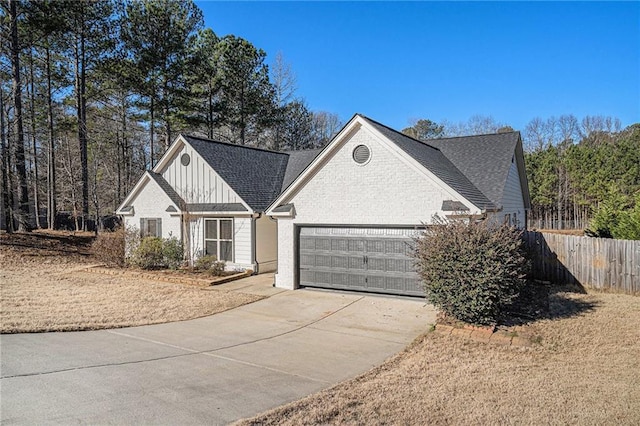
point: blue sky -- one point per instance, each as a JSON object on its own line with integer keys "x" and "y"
{"x": 394, "y": 61}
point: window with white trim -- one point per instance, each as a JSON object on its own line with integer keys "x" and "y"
{"x": 218, "y": 238}
{"x": 150, "y": 227}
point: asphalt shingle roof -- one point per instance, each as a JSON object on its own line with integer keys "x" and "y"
{"x": 216, "y": 207}
{"x": 257, "y": 175}
{"x": 474, "y": 166}
{"x": 434, "y": 160}
{"x": 298, "y": 161}
{"x": 484, "y": 159}
{"x": 171, "y": 193}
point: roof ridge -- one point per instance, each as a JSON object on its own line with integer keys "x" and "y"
{"x": 396, "y": 131}
{"x": 435, "y": 139}
{"x": 232, "y": 144}
{"x": 475, "y": 136}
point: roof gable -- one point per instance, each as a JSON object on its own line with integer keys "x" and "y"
{"x": 255, "y": 174}
{"x": 434, "y": 160}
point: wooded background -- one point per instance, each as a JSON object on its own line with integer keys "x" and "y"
{"x": 93, "y": 92}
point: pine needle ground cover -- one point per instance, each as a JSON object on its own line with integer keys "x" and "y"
{"x": 43, "y": 287}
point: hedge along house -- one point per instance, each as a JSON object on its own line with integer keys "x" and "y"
{"x": 347, "y": 221}
{"x": 212, "y": 196}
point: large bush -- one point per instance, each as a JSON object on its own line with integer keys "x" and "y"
{"x": 114, "y": 247}
{"x": 108, "y": 247}
{"x": 148, "y": 254}
{"x": 155, "y": 253}
{"x": 471, "y": 272}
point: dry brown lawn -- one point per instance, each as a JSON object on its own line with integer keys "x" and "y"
{"x": 585, "y": 370}
{"x": 43, "y": 288}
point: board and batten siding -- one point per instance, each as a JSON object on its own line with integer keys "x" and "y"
{"x": 151, "y": 203}
{"x": 197, "y": 182}
{"x": 242, "y": 242}
{"x": 383, "y": 191}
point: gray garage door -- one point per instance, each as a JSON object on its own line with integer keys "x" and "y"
{"x": 364, "y": 259}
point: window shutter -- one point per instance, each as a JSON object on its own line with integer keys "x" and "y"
{"x": 159, "y": 227}
{"x": 142, "y": 226}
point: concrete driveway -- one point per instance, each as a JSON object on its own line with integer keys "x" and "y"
{"x": 211, "y": 370}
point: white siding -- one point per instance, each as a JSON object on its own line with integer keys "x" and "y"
{"x": 266, "y": 246}
{"x": 384, "y": 191}
{"x": 151, "y": 202}
{"x": 197, "y": 182}
{"x": 241, "y": 241}
{"x": 512, "y": 201}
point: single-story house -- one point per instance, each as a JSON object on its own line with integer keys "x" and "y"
{"x": 342, "y": 217}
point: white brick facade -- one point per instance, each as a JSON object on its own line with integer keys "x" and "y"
{"x": 151, "y": 203}
{"x": 383, "y": 191}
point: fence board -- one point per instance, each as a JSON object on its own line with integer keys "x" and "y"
{"x": 598, "y": 263}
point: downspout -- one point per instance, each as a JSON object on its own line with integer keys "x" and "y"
{"x": 254, "y": 259}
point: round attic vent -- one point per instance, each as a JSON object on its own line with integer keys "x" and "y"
{"x": 361, "y": 154}
{"x": 185, "y": 159}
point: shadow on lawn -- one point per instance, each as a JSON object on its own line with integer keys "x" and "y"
{"x": 538, "y": 301}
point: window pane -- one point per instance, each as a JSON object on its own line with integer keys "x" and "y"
{"x": 151, "y": 228}
{"x": 226, "y": 250}
{"x": 226, "y": 230}
{"x": 211, "y": 247}
{"x": 210, "y": 229}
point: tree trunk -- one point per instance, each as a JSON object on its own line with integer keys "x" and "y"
{"x": 72, "y": 181}
{"x": 36, "y": 177}
{"x": 81, "y": 108}
{"x": 210, "y": 111}
{"x": 23, "y": 194}
{"x": 51, "y": 159}
{"x": 151, "y": 130}
{"x": 7, "y": 202}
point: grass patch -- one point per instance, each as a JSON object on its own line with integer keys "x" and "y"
{"x": 43, "y": 288}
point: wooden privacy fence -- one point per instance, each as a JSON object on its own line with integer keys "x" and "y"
{"x": 598, "y": 263}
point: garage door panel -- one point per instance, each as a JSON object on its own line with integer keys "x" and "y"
{"x": 356, "y": 262}
{"x": 356, "y": 245}
{"x": 362, "y": 259}
{"x": 375, "y": 246}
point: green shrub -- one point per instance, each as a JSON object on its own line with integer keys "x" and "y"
{"x": 108, "y": 247}
{"x": 471, "y": 272}
{"x": 148, "y": 254}
{"x": 156, "y": 253}
{"x": 211, "y": 264}
{"x": 617, "y": 217}
{"x": 172, "y": 253}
